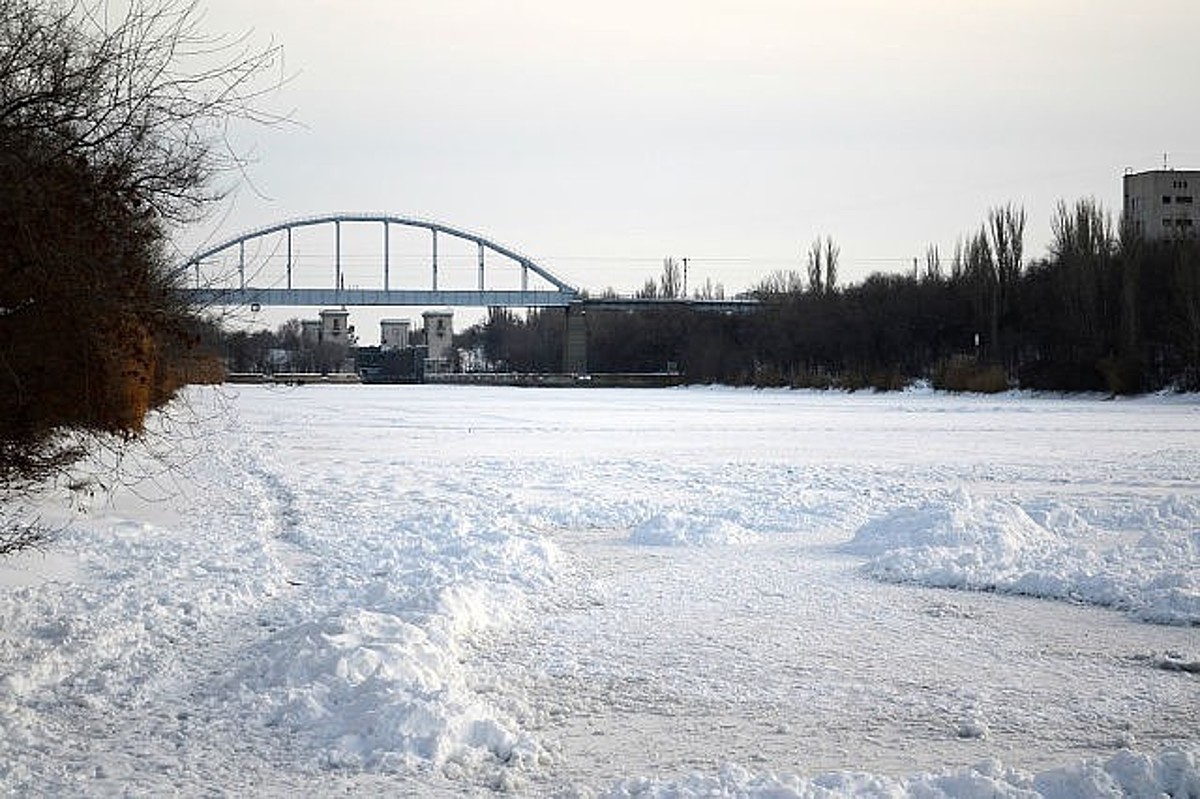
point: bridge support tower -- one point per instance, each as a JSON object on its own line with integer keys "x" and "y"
{"x": 575, "y": 340}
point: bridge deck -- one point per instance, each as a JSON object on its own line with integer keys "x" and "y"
{"x": 381, "y": 297}
{"x": 429, "y": 298}
{"x": 640, "y": 304}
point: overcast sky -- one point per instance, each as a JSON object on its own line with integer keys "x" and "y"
{"x": 601, "y": 137}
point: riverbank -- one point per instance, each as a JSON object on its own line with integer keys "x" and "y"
{"x": 519, "y": 379}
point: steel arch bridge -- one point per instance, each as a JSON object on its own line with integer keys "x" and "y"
{"x": 233, "y": 287}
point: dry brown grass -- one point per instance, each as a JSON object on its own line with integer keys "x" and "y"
{"x": 965, "y": 373}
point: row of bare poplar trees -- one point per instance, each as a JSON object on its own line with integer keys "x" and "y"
{"x": 1102, "y": 311}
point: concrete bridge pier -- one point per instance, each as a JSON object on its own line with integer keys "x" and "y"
{"x": 575, "y": 340}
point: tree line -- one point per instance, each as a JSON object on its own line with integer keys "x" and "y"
{"x": 286, "y": 349}
{"x": 1103, "y": 310}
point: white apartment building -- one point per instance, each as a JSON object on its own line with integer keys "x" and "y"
{"x": 1161, "y": 204}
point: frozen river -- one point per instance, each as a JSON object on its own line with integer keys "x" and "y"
{"x": 414, "y": 590}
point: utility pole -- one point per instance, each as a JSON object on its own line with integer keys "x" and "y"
{"x": 685, "y": 294}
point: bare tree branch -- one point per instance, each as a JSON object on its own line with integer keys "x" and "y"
{"x": 113, "y": 129}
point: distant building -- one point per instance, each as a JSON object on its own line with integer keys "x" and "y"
{"x": 310, "y": 332}
{"x": 439, "y": 338}
{"x": 335, "y": 327}
{"x": 393, "y": 333}
{"x": 379, "y": 365}
{"x": 1161, "y": 204}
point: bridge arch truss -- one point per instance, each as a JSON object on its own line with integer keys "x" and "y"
{"x": 237, "y": 289}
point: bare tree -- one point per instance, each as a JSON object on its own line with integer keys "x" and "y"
{"x": 290, "y": 334}
{"x": 670, "y": 284}
{"x": 710, "y": 290}
{"x": 780, "y": 282}
{"x": 816, "y": 258}
{"x": 933, "y": 264}
{"x": 958, "y": 263}
{"x": 1084, "y": 244}
{"x": 1084, "y": 230}
{"x": 1007, "y": 226}
{"x": 648, "y": 291}
{"x": 832, "y": 251}
{"x": 143, "y": 95}
{"x": 113, "y": 122}
{"x": 1008, "y": 241}
{"x": 823, "y": 266}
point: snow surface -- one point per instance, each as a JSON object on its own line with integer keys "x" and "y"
{"x": 694, "y": 592}
{"x": 674, "y": 529}
{"x": 988, "y": 544}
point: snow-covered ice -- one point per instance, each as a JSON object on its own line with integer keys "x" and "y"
{"x": 688, "y": 592}
{"x": 964, "y": 542}
{"x": 675, "y": 529}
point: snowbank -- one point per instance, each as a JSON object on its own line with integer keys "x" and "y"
{"x": 378, "y": 682}
{"x": 989, "y": 544}
{"x": 1172, "y": 772}
{"x": 675, "y": 529}
{"x": 368, "y": 690}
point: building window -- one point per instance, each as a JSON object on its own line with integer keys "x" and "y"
{"x": 1166, "y": 199}
{"x": 1185, "y": 199}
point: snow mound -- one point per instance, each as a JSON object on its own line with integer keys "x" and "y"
{"x": 674, "y": 529}
{"x": 1172, "y": 772}
{"x": 369, "y": 690}
{"x": 987, "y": 544}
{"x": 997, "y": 531}
{"x": 377, "y": 682}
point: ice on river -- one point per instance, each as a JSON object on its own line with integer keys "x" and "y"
{"x": 673, "y": 529}
{"x": 964, "y": 542}
{"x": 690, "y": 592}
